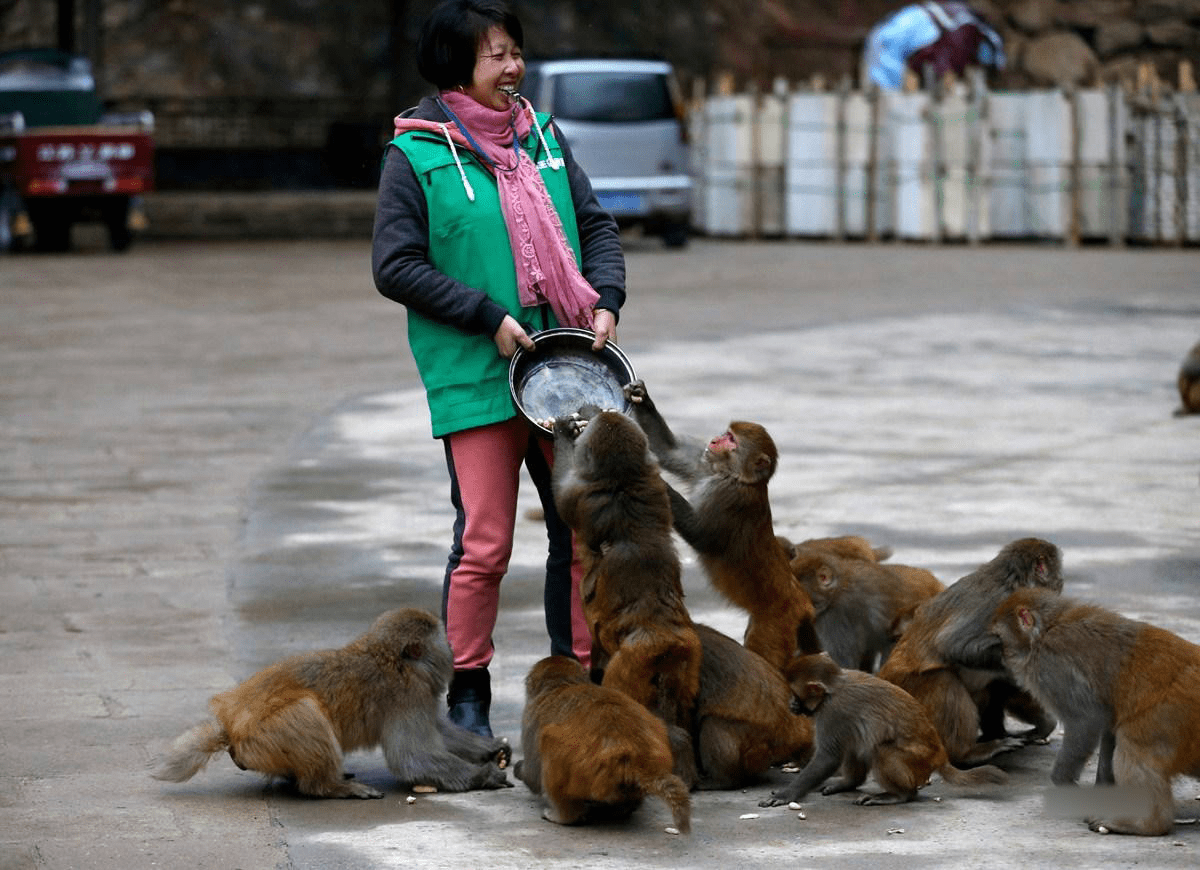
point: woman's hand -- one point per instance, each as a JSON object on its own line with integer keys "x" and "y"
{"x": 509, "y": 336}
{"x": 604, "y": 324}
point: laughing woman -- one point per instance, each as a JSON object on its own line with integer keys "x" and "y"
{"x": 486, "y": 227}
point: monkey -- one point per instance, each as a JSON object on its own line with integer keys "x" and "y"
{"x": 1189, "y": 382}
{"x": 592, "y": 751}
{"x": 743, "y": 719}
{"x": 296, "y": 718}
{"x": 861, "y": 606}
{"x": 949, "y": 660}
{"x": 1129, "y": 687}
{"x": 845, "y": 546}
{"x": 864, "y": 725}
{"x": 728, "y": 523}
{"x": 607, "y": 487}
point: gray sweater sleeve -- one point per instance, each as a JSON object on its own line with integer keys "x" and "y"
{"x": 400, "y": 263}
{"x": 400, "y": 256}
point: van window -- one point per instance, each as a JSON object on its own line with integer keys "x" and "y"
{"x": 531, "y": 89}
{"x": 612, "y": 97}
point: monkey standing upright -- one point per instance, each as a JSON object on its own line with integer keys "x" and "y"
{"x": 866, "y": 724}
{"x": 949, "y": 660}
{"x": 1131, "y": 688}
{"x": 592, "y": 750}
{"x": 608, "y": 488}
{"x": 296, "y": 718}
{"x": 727, "y": 520}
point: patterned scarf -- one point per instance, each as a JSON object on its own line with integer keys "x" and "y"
{"x": 546, "y": 267}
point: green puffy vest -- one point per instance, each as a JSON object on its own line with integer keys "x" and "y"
{"x": 465, "y": 378}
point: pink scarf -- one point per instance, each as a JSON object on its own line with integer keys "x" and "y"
{"x": 546, "y": 267}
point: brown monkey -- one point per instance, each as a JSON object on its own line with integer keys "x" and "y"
{"x": 1127, "y": 686}
{"x": 296, "y": 718}
{"x": 1189, "y": 382}
{"x": 949, "y": 660}
{"x": 863, "y": 725}
{"x": 845, "y": 546}
{"x": 593, "y": 751}
{"x": 728, "y": 523}
{"x": 862, "y": 606}
{"x": 608, "y": 489}
{"x": 743, "y": 719}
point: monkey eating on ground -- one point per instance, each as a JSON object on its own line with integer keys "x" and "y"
{"x": 727, "y": 521}
{"x": 949, "y": 660}
{"x": 743, "y": 719}
{"x": 1189, "y": 382}
{"x": 867, "y": 725}
{"x": 608, "y": 489}
{"x": 1129, "y": 687}
{"x": 592, "y": 751}
{"x": 295, "y": 719}
{"x": 861, "y": 606}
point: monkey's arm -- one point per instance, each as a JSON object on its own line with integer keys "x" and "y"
{"x": 645, "y": 412}
{"x": 824, "y": 764}
{"x": 680, "y": 456}
{"x": 563, "y": 480}
{"x": 1104, "y": 762}
{"x": 566, "y": 430}
{"x": 1082, "y": 733}
{"x": 416, "y": 753}
{"x": 529, "y": 771}
{"x": 1072, "y": 695}
{"x": 702, "y": 537}
{"x": 471, "y": 746}
{"x": 965, "y": 641}
{"x": 983, "y": 653}
{"x": 683, "y": 516}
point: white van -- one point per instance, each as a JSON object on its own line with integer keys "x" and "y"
{"x": 624, "y": 122}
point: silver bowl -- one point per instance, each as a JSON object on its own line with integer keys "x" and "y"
{"x": 563, "y": 374}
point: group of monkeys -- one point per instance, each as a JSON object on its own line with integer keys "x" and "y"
{"x": 850, "y": 665}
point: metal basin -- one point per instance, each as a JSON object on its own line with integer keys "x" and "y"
{"x": 563, "y": 374}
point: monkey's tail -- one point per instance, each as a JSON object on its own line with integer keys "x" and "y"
{"x": 671, "y": 789}
{"x": 987, "y": 774}
{"x": 191, "y": 751}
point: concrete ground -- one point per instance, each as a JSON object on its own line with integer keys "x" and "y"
{"x": 216, "y": 454}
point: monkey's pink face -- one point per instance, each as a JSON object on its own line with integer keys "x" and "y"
{"x": 726, "y": 443}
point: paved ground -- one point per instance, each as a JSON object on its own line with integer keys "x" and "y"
{"x": 217, "y": 454}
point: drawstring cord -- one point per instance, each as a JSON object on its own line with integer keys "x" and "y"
{"x": 461, "y": 172}
{"x": 555, "y": 163}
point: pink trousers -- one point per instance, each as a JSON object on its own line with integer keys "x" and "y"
{"x": 485, "y": 471}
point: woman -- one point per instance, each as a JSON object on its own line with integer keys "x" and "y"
{"x": 472, "y": 177}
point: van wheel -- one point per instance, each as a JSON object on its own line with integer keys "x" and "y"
{"x": 675, "y": 235}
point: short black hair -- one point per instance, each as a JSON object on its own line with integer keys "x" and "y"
{"x": 449, "y": 43}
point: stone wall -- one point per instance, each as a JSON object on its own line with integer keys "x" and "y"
{"x": 318, "y": 76}
{"x": 202, "y": 49}
{"x": 1053, "y": 42}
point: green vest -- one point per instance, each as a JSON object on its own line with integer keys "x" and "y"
{"x": 465, "y": 378}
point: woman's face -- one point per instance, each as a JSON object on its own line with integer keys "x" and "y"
{"x": 499, "y": 67}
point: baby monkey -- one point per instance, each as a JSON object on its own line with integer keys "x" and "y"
{"x": 867, "y": 725}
